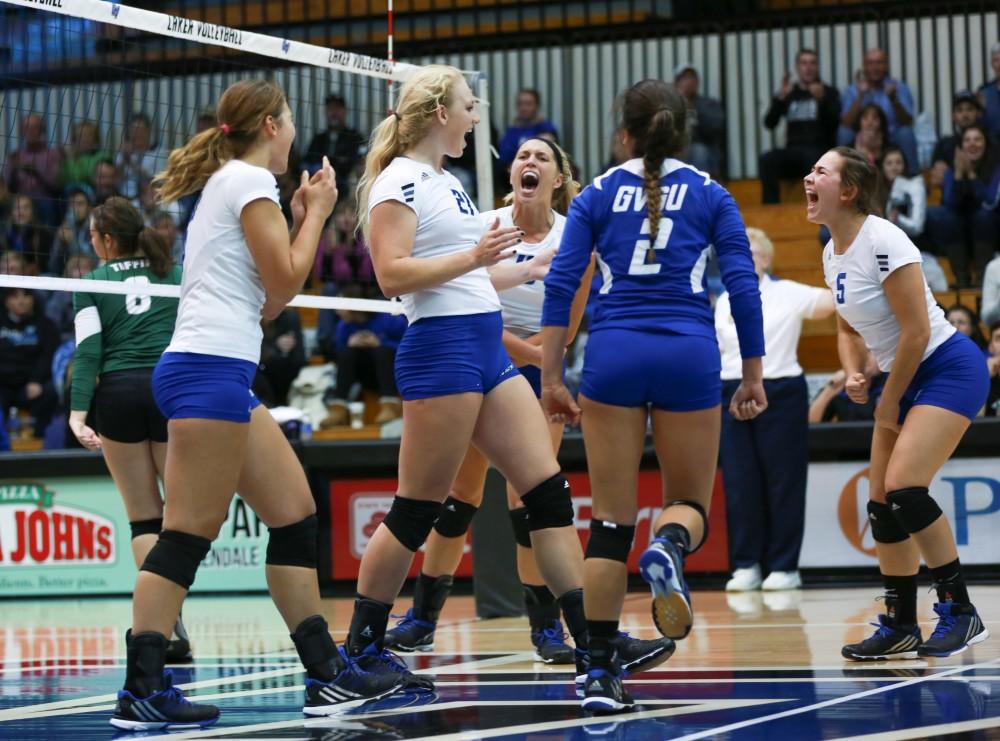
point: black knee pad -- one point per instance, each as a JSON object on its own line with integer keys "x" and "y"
{"x": 176, "y": 556}
{"x": 411, "y": 520}
{"x": 549, "y": 504}
{"x": 454, "y": 518}
{"x": 704, "y": 519}
{"x": 610, "y": 540}
{"x": 913, "y": 507}
{"x": 885, "y": 527}
{"x": 522, "y": 532}
{"x": 146, "y": 527}
{"x": 294, "y": 545}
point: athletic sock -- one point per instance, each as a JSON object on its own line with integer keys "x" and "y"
{"x": 429, "y": 595}
{"x": 576, "y": 622}
{"x": 367, "y": 625}
{"x": 949, "y": 583}
{"x": 540, "y": 605}
{"x": 901, "y": 599}
{"x": 676, "y": 534}
{"x": 602, "y": 648}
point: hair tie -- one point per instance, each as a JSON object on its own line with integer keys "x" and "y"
{"x": 225, "y": 128}
{"x": 396, "y": 114}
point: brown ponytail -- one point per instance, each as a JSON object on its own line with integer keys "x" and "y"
{"x": 243, "y": 109}
{"x": 121, "y": 220}
{"x": 654, "y": 116}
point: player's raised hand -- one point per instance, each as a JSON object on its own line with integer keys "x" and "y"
{"x": 319, "y": 194}
{"x": 496, "y": 244}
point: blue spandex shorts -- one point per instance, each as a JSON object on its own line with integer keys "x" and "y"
{"x": 444, "y": 355}
{"x": 672, "y": 372}
{"x": 190, "y": 385}
{"x": 954, "y": 377}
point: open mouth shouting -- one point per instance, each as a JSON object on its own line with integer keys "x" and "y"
{"x": 529, "y": 182}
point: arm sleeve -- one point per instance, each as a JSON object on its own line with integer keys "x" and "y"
{"x": 344, "y": 332}
{"x": 829, "y": 109}
{"x": 904, "y": 96}
{"x": 87, "y": 358}
{"x": 395, "y": 185}
{"x": 913, "y": 224}
{"x": 807, "y": 297}
{"x": 570, "y": 261}
{"x": 991, "y": 292}
{"x": 775, "y": 111}
{"x": 894, "y": 251}
{"x": 950, "y": 194}
{"x": 847, "y": 98}
{"x": 729, "y": 236}
{"x": 254, "y": 184}
{"x": 508, "y": 145}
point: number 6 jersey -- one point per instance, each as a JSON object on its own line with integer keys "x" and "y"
{"x": 856, "y": 277}
{"x": 447, "y": 222}
{"x": 657, "y": 287}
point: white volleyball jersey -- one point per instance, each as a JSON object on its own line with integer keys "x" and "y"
{"x": 221, "y": 291}
{"x": 856, "y": 277}
{"x": 522, "y": 305}
{"x": 447, "y": 222}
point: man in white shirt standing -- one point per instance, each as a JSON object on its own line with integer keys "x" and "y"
{"x": 765, "y": 460}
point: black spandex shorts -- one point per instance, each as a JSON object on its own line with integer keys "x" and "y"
{"x": 126, "y": 410}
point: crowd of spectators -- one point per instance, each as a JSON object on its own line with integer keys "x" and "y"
{"x": 47, "y": 192}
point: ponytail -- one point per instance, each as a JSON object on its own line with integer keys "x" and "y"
{"x": 430, "y": 88}
{"x": 242, "y": 111}
{"x": 155, "y": 249}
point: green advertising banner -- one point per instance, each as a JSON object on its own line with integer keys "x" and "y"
{"x": 70, "y": 536}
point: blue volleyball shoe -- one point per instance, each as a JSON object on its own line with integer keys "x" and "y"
{"x": 662, "y": 566}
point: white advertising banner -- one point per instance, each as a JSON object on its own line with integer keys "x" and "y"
{"x": 837, "y": 532}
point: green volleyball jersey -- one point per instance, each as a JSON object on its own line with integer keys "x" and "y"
{"x": 118, "y": 332}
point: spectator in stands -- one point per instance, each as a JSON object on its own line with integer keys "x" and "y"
{"x": 871, "y": 135}
{"x": 989, "y": 95}
{"x": 965, "y": 112}
{"x": 164, "y": 224}
{"x": 345, "y": 147}
{"x": 833, "y": 405}
{"x": 282, "y": 356}
{"x": 11, "y": 263}
{"x": 206, "y": 120}
{"x": 59, "y": 304}
{"x": 80, "y": 155}
{"x": 27, "y": 343}
{"x": 73, "y": 236}
{"x": 906, "y": 207}
{"x": 993, "y": 363}
{"x": 105, "y": 181}
{"x": 25, "y": 234}
{"x": 812, "y": 109}
{"x": 706, "y": 123}
{"x": 139, "y": 158}
{"x": 527, "y": 124}
{"x": 33, "y": 169}
{"x": 964, "y": 319}
{"x": 990, "y": 306}
{"x": 765, "y": 460}
{"x": 365, "y": 354}
{"x": 965, "y": 223}
{"x": 874, "y": 85}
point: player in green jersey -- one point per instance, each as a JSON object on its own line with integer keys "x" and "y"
{"x": 119, "y": 339}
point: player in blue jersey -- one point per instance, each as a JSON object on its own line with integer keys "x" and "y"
{"x": 652, "y": 353}
{"x": 937, "y": 384}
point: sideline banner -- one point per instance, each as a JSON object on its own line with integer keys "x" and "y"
{"x": 837, "y": 531}
{"x": 357, "y": 506}
{"x": 70, "y": 536}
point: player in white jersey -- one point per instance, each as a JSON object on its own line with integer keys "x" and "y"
{"x": 457, "y": 381}
{"x": 241, "y": 263}
{"x": 542, "y": 187}
{"x": 937, "y": 384}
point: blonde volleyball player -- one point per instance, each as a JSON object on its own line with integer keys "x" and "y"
{"x": 542, "y": 188}
{"x": 458, "y": 383}
{"x": 241, "y": 262}
{"x": 937, "y": 384}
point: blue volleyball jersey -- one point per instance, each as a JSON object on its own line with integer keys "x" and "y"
{"x": 668, "y": 294}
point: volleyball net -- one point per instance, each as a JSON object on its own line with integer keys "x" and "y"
{"x": 96, "y": 94}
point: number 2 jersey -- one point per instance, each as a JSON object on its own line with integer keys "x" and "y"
{"x": 119, "y": 332}
{"x": 667, "y": 294}
{"x": 856, "y": 278}
{"x": 447, "y": 222}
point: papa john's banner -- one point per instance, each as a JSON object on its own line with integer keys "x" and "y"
{"x": 70, "y": 536}
{"x": 837, "y": 530}
{"x": 358, "y": 506}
